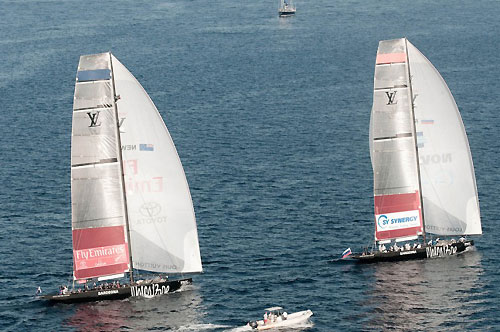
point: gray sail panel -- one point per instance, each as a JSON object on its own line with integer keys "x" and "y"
{"x": 96, "y": 196}
{"x": 451, "y": 205}
{"x": 394, "y": 119}
{"x": 394, "y": 166}
{"x": 93, "y": 95}
{"x": 390, "y": 76}
{"x": 162, "y": 223}
{"x": 393, "y": 150}
{"x": 95, "y": 172}
{"x": 94, "y": 62}
{"x": 391, "y": 46}
{"x": 94, "y": 136}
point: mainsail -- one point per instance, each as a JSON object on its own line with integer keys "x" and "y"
{"x": 419, "y": 150}
{"x": 393, "y": 151}
{"x": 126, "y": 179}
{"x": 98, "y": 217}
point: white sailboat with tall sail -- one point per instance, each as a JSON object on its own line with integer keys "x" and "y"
{"x": 424, "y": 178}
{"x": 286, "y": 8}
{"x": 131, "y": 205}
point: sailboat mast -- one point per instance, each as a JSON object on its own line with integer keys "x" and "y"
{"x": 414, "y": 128}
{"x": 120, "y": 162}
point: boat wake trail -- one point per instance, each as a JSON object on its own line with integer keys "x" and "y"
{"x": 340, "y": 261}
{"x": 240, "y": 328}
{"x": 202, "y": 327}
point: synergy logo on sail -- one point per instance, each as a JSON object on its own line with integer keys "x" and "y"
{"x": 397, "y": 215}
{"x": 390, "y": 221}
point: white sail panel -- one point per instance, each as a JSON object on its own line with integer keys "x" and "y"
{"x": 161, "y": 216}
{"x": 98, "y": 215}
{"x": 94, "y": 62}
{"x": 450, "y": 200}
{"x": 96, "y": 196}
{"x": 392, "y": 146}
{"x": 94, "y": 136}
{"x": 93, "y": 94}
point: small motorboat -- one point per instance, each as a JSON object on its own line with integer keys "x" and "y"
{"x": 276, "y": 317}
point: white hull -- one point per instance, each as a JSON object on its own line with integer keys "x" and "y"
{"x": 296, "y": 318}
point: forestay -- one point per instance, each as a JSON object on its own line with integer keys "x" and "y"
{"x": 161, "y": 216}
{"x": 450, "y": 200}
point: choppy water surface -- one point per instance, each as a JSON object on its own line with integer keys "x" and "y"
{"x": 270, "y": 117}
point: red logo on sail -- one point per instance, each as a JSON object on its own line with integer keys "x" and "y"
{"x": 99, "y": 251}
{"x": 101, "y": 256}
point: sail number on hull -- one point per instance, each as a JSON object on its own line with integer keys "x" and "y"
{"x": 441, "y": 251}
{"x": 149, "y": 290}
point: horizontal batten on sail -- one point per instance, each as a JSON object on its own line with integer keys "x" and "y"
{"x": 118, "y": 220}
{"x": 98, "y": 107}
{"x": 393, "y": 87}
{"x": 93, "y": 75}
{"x": 390, "y": 58}
{"x": 104, "y": 161}
{"x": 403, "y": 135}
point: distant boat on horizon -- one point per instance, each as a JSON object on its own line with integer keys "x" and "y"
{"x": 131, "y": 205}
{"x": 424, "y": 178}
{"x": 286, "y": 8}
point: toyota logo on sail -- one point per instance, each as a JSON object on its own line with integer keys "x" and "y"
{"x": 150, "y": 209}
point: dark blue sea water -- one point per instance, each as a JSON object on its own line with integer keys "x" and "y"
{"x": 270, "y": 118}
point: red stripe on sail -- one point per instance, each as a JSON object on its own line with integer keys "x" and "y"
{"x": 399, "y": 203}
{"x": 390, "y": 58}
{"x": 99, "y": 251}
